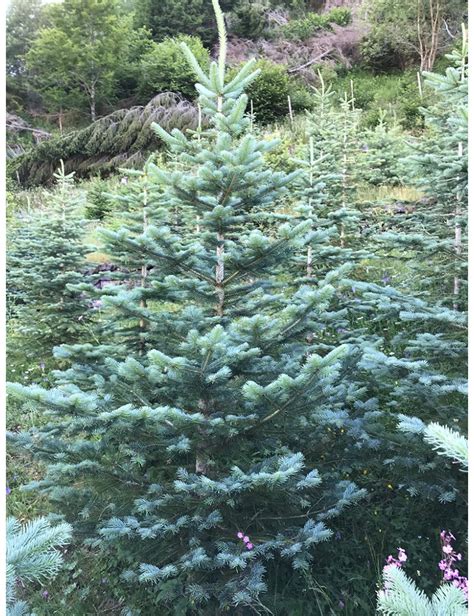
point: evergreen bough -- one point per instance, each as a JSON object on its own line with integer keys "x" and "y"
{"x": 401, "y": 597}
{"x": 32, "y": 556}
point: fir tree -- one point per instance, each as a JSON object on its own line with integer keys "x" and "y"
{"x": 98, "y": 205}
{"x": 46, "y": 253}
{"x": 383, "y": 147}
{"x": 335, "y": 132}
{"x": 433, "y": 240}
{"x": 402, "y": 348}
{"x": 325, "y": 191}
{"x": 193, "y": 459}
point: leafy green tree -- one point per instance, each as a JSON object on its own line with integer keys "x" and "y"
{"x": 58, "y": 88}
{"x": 139, "y": 45}
{"x": 164, "y": 69}
{"x": 270, "y": 91}
{"x": 171, "y": 17}
{"x": 23, "y": 20}
{"x": 410, "y": 30}
{"x": 191, "y": 460}
{"x": 84, "y": 48}
{"x": 248, "y": 18}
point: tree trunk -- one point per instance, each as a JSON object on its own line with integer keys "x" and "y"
{"x": 202, "y": 449}
{"x": 342, "y": 231}
{"x": 92, "y": 102}
{"x": 220, "y": 275}
{"x": 220, "y": 256}
{"x": 457, "y": 241}
{"x": 309, "y": 254}
{"x": 428, "y": 29}
{"x": 144, "y": 273}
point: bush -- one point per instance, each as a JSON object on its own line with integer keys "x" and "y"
{"x": 249, "y": 18}
{"x": 12, "y": 199}
{"x": 396, "y": 93}
{"x": 379, "y": 54}
{"x": 269, "y": 92}
{"x": 165, "y": 69}
{"x": 306, "y": 27}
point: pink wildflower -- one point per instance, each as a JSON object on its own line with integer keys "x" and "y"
{"x": 446, "y": 564}
{"x": 402, "y": 557}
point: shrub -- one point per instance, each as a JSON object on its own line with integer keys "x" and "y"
{"x": 379, "y": 54}
{"x": 396, "y": 93}
{"x": 307, "y": 26}
{"x": 269, "y": 92}
{"x": 164, "y": 67}
{"x": 12, "y": 199}
{"x": 249, "y": 18}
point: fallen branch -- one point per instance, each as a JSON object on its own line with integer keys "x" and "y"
{"x": 33, "y": 130}
{"x": 312, "y": 61}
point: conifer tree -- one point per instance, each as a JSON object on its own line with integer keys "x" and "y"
{"x": 434, "y": 239}
{"x": 434, "y": 324}
{"x": 401, "y": 597}
{"x": 141, "y": 203}
{"x": 46, "y": 253}
{"x": 399, "y": 355}
{"x": 335, "y": 131}
{"x": 325, "y": 191}
{"x": 192, "y": 458}
{"x": 383, "y": 147}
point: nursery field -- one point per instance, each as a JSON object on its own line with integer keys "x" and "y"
{"x": 236, "y": 309}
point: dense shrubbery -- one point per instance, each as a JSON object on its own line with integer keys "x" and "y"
{"x": 163, "y": 68}
{"x": 397, "y": 94}
{"x": 308, "y": 26}
{"x": 269, "y": 92}
{"x": 248, "y": 19}
{"x": 405, "y": 33}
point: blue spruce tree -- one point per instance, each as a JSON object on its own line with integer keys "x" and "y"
{"x": 46, "y": 253}
{"x": 190, "y": 457}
